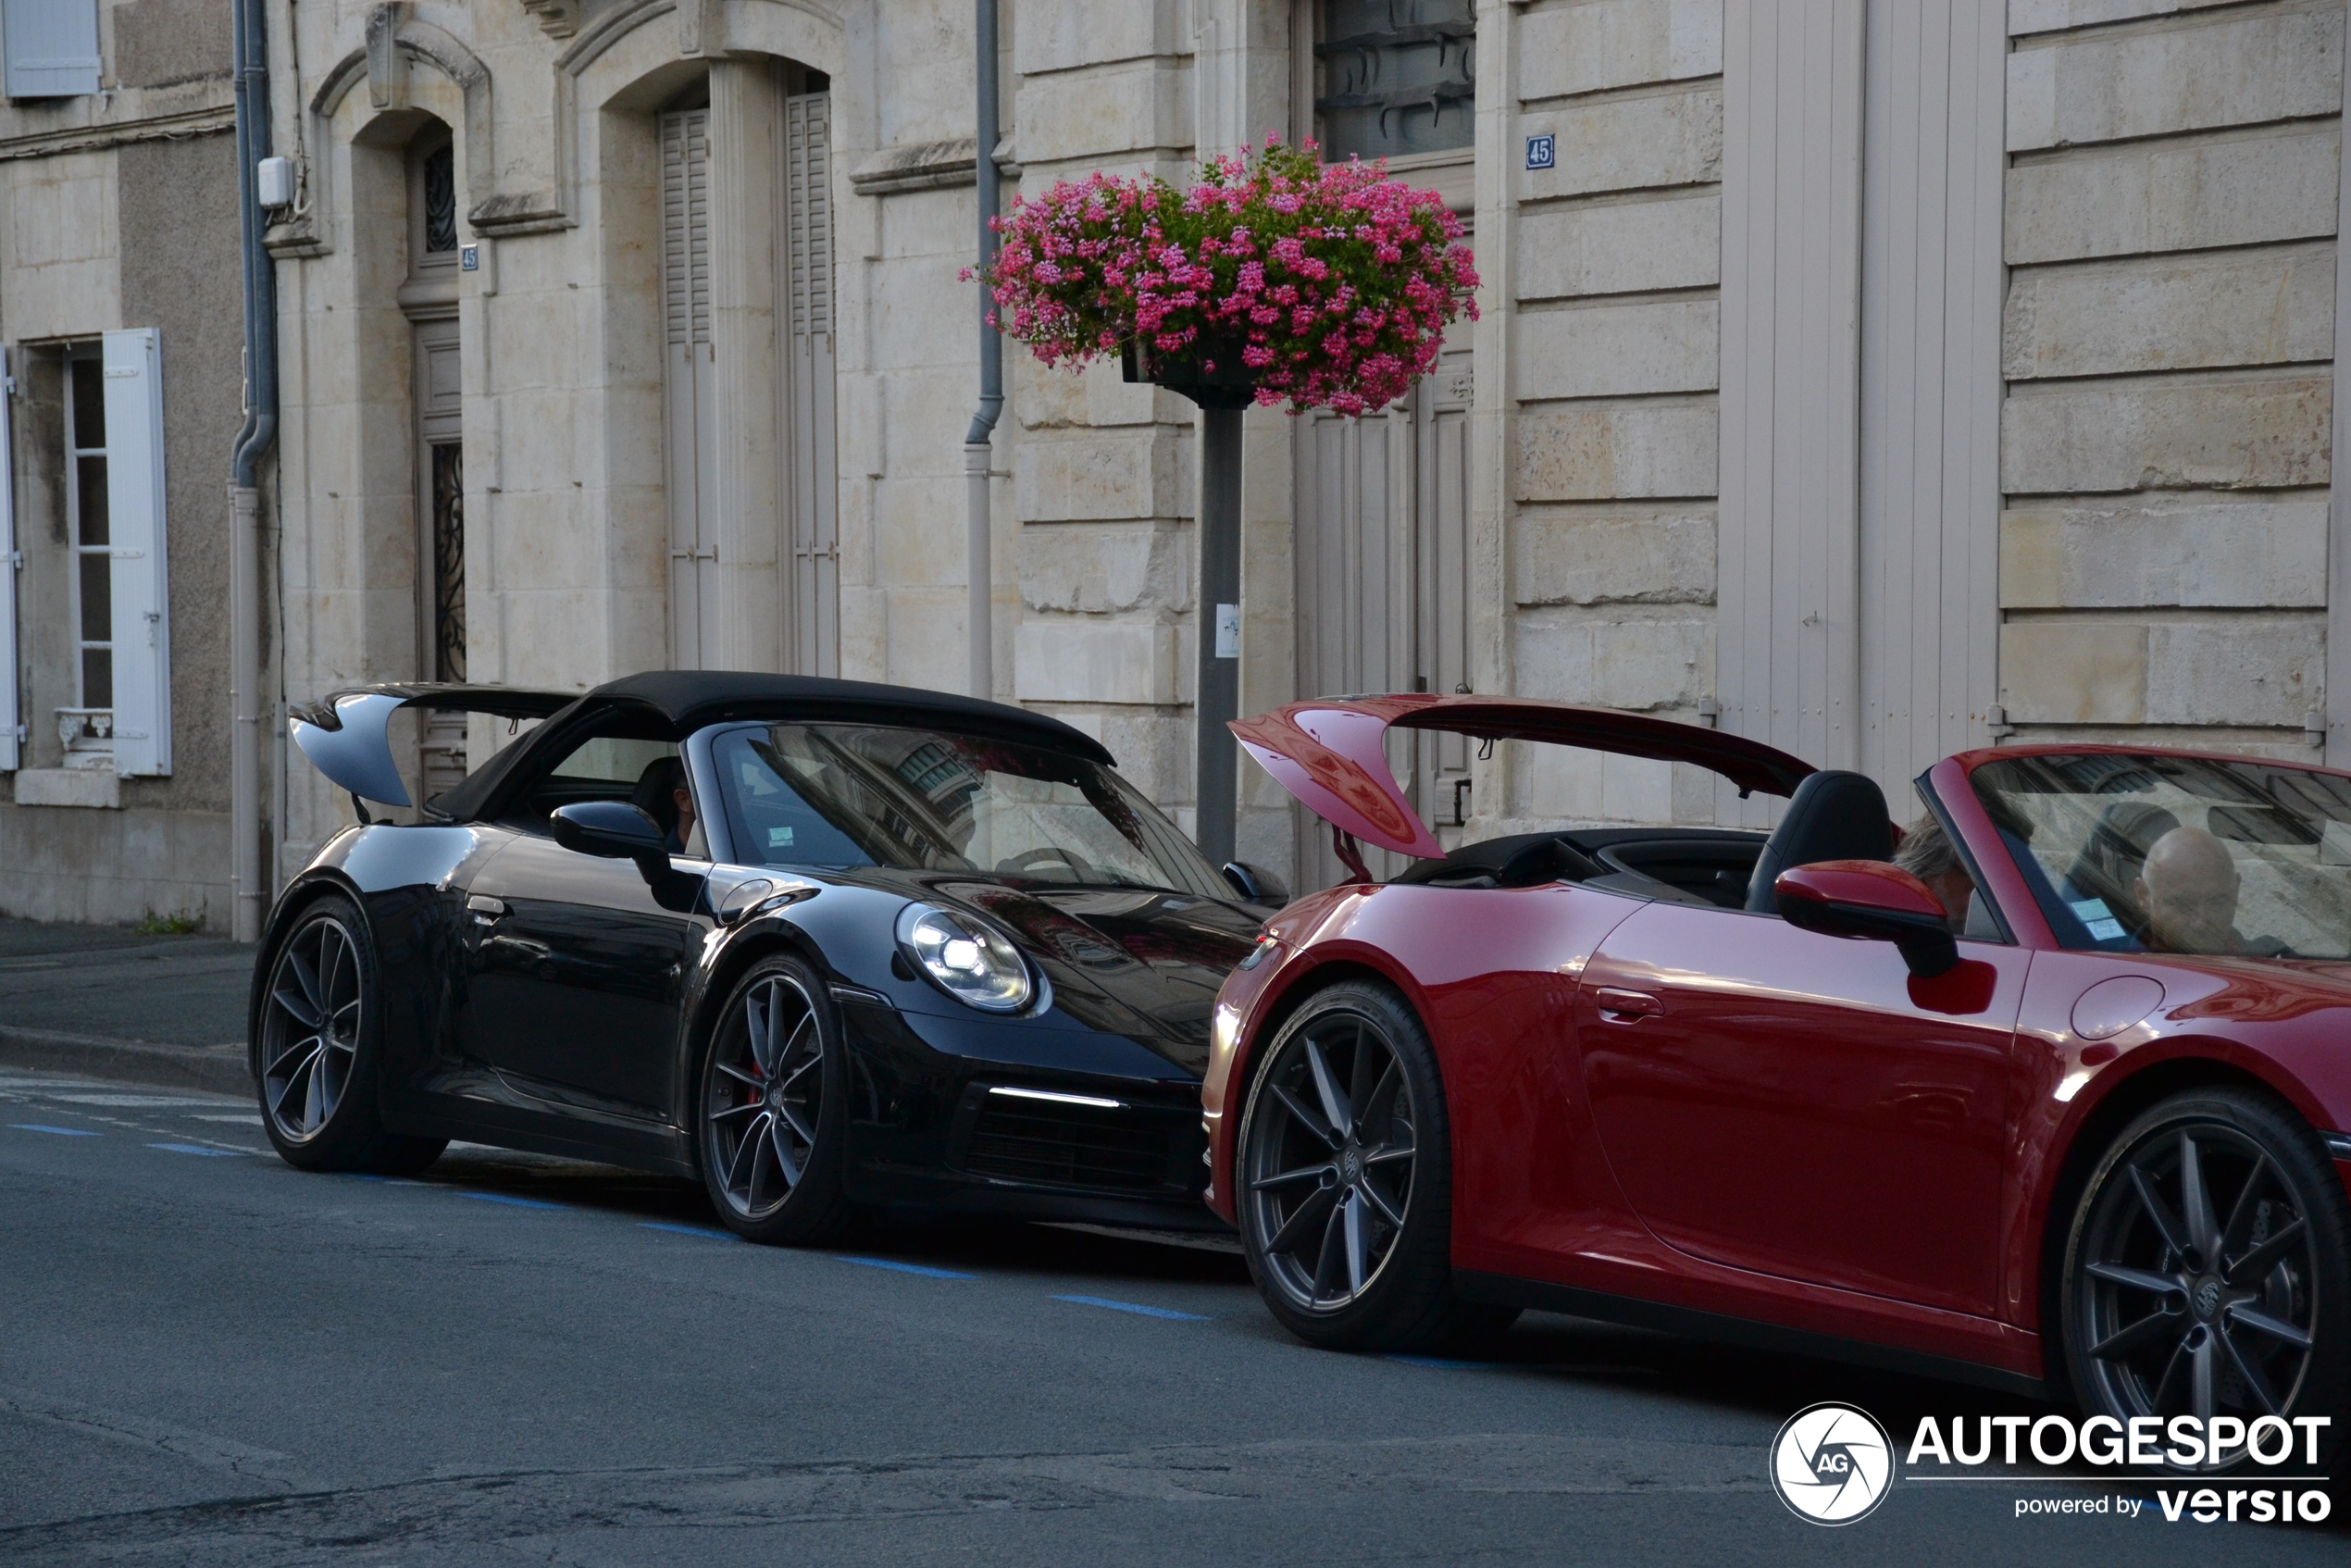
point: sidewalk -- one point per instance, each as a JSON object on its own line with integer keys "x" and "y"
{"x": 106, "y": 1001}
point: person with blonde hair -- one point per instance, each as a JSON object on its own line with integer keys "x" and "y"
{"x": 1926, "y": 854}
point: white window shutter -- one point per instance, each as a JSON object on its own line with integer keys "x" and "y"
{"x": 811, "y": 476}
{"x": 10, "y": 561}
{"x": 51, "y": 48}
{"x": 689, "y": 389}
{"x": 135, "y": 530}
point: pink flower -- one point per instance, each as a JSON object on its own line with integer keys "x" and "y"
{"x": 1340, "y": 280}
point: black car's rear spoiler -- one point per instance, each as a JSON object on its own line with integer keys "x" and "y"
{"x": 344, "y": 734}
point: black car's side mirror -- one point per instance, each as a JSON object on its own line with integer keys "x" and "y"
{"x": 617, "y": 830}
{"x": 1870, "y": 901}
{"x": 610, "y": 830}
{"x": 1255, "y": 884}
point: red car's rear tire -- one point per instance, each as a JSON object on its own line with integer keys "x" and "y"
{"x": 2206, "y": 1272}
{"x": 1344, "y": 1180}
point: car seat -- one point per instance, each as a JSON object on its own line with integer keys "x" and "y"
{"x": 1832, "y": 815}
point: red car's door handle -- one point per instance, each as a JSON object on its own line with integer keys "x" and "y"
{"x": 1621, "y": 1006}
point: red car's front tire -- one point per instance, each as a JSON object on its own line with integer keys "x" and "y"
{"x": 1343, "y": 1179}
{"x": 2206, "y": 1272}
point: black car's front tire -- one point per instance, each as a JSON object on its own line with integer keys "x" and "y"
{"x": 772, "y": 1121}
{"x": 319, "y": 1057}
{"x": 1344, "y": 1180}
{"x": 2206, "y": 1272}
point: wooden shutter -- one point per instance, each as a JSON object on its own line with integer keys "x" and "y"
{"x": 11, "y": 561}
{"x": 690, "y": 425}
{"x": 51, "y": 48}
{"x": 1931, "y": 283}
{"x": 1355, "y": 560}
{"x": 1786, "y": 638}
{"x": 809, "y": 477}
{"x": 135, "y": 531}
{"x": 1441, "y": 637}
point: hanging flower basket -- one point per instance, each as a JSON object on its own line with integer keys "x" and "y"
{"x": 1276, "y": 276}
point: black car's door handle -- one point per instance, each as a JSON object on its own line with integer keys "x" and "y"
{"x": 484, "y": 908}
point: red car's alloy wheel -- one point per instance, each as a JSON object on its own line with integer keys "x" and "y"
{"x": 765, "y": 1096}
{"x": 2199, "y": 1279}
{"x": 1327, "y": 1176}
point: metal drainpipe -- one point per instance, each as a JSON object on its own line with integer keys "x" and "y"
{"x": 249, "y": 887}
{"x": 979, "y": 612}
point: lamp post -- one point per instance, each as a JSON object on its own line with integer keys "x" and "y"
{"x": 1222, "y": 393}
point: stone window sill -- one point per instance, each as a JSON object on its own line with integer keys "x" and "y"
{"x": 86, "y": 786}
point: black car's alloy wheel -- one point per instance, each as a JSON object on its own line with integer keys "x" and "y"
{"x": 317, "y": 1059}
{"x": 2206, "y": 1271}
{"x": 1344, "y": 1179}
{"x": 771, "y": 1117}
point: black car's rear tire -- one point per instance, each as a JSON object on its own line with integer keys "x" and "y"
{"x": 318, "y": 1061}
{"x": 771, "y": 1115}
{"x": 2206, "y": 1271}
{"x": 1344, "y": 1182}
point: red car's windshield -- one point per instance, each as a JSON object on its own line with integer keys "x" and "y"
{"x": 2130, "y": 853}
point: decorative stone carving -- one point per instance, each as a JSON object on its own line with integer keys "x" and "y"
{"x": 558, "y": 18}
{"x": 387, "y": 65}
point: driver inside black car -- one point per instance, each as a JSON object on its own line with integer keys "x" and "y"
{"x": 661, "y": 794}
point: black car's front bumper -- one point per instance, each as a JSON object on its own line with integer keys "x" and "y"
{"x": 1020, "y": 1118}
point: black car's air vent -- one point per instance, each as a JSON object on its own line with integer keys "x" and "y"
{"x": 1126, "y": 1150}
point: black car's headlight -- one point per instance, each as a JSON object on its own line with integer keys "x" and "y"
{"x": 968, "y": 959}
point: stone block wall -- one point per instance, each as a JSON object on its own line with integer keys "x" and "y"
{"x": 1103, "y": 473}
{"x": 1613, "y": 339}
{"x": 2167, "y": 350}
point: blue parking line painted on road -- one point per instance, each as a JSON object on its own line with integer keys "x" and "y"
{"x": 905, "y": 1268}
{"x": 512, "y": 1203}
{"x": 197, "y": 1149}
{"x": 61, "y": 1132}
{"x": 703, "y": 1231}
{"x": 1438, "y": 1361}
{"x": 1138, "y": 1309}
{"x": 388, "y": 1181}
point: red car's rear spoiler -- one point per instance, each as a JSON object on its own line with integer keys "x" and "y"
{"x": 1327, "y": 751}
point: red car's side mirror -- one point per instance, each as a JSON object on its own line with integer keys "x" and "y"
{"x": 1870, "y": 901}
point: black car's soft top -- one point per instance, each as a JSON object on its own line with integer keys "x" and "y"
{"x": 344, "y": 734}
{"x": 691, "y": 699}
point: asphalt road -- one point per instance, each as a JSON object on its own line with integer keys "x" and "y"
{"x": 208, "y": 1357}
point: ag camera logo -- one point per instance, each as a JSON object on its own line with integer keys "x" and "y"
{"x": 1832, "y": 1464}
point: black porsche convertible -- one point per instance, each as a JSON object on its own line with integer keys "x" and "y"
{"x": 827, "y": 946}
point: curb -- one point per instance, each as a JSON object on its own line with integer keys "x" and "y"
{"x": 220, "y": 1068}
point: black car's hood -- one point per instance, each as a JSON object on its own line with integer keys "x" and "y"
{"x": 1133, "y": 962}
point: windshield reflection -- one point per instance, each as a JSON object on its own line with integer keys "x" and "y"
{"x": 842, "y": 796}
{"x": 2132, "y": 853}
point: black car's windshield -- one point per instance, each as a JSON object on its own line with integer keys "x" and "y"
{"x": 2133, "y": 853}
{"x": 850, "y": 795}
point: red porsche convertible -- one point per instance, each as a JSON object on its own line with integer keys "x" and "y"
{"x": 2046, "y": 1092}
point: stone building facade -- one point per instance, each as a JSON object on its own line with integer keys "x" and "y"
{"x": 119, "y": 308}
{"x": 1878, "y": 378}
